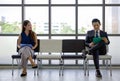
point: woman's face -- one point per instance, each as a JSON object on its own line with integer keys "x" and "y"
{"x": 28, "y": 27}
{"x": 96, "y": 25}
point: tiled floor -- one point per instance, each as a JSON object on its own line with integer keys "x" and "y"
{"x": 53, "y": 75}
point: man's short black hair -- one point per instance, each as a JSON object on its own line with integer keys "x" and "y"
{"x": 96, "y": 20}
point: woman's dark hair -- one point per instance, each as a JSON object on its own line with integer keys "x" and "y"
{"x": 25, "y": 22}
{"x": 31, "y": 33}
{"x": 96, "y": 20}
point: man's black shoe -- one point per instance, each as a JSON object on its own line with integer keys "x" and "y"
{"x": 98, "y": 74}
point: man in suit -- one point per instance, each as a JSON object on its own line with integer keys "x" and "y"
{"x": 96, "y": 40}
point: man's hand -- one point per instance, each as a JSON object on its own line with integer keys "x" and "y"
{"x": 105, "y": 39}
{"x": 91, "y": 44}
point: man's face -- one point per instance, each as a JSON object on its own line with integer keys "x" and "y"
{"x": 96, "y": 25}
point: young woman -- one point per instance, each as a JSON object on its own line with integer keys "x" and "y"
{"x": 27, "y": 42}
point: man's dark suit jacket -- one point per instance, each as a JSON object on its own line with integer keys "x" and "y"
{"x": 90, "y": 35}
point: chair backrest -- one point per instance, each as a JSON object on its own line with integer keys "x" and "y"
{"x": 107, "y": 49}
{"x": 50, "y": 45}
{"x": 73, "y": 45}
{"x": 36, "y": 49}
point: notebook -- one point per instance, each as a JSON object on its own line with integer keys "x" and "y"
{"x": 97, "y": 40}
{"x": 23, "y": 45}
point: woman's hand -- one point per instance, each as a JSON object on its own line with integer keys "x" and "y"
{"x": 18, "y": 46}
{"x": 33, "y": 48}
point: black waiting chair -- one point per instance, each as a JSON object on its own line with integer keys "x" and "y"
{"x": 18, "y": 57}
{"x": 73, "y": 46}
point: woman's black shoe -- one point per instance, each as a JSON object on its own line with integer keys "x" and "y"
{"x": 23, "y": 74}
{"x": 34, "y": 67}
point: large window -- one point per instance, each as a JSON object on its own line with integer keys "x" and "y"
{"x": 53, "y": 17}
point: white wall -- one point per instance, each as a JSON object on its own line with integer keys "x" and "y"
{"x": 114, "y": 49}
{"x": 8, "y": 47}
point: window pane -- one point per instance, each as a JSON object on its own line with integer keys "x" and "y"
{"x": 10, "y": 23}
{"x": 90, "y": 2}
{"x": 112, "y": 24}
{"x": 39, "y": 18}
{"x": 81, "y": 37}
{"x": 10, "y": 1}
{"x": 63, "y": 20}
{"x": 84, "y": 19}
{"x": 112, "y": 1}
{"x": 36, "y": 1}
{"x": 63, "y": 1}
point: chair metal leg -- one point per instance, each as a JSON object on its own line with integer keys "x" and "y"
{"x": 18, "y": 63}
{"x": 39, "y": 62}
{"x": 88, "y": 67}
{"x": 84, "y": 67}
{"x": 103, "y": 62}
{"x": 60, "y": 67}
{"x": 38, "y": 66}
{"x": 34, "y": 69}
{"x": 110, "y": 68}
{"x": 107, "y": 63}
{"x": 12, "y": 67}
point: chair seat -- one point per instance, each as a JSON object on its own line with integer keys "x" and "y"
{"x": 48, "y": 56}
{"x": 101, "y": 57}
{"x": 19, "y": 56}
{"x": 72, "y": 57}
{"x": 15, "y": 56}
